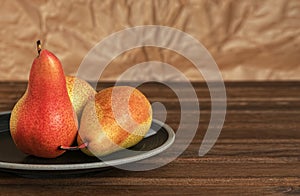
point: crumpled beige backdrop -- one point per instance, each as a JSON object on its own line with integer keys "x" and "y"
{"x": 250, "y": 40}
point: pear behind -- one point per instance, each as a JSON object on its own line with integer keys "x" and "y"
{"x": 79, "y": 92}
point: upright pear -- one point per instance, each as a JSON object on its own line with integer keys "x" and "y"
{"x": 44, "y": 119}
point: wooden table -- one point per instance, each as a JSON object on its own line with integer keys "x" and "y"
{"x": 257, "y": 152}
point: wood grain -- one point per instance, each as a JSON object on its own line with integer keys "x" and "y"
{"x": 257, "y": 153}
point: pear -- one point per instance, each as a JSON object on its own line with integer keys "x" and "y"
{"x": 44, "y": 119}
{"x": 118, "y": 117}
{"x": 79, "y": 92}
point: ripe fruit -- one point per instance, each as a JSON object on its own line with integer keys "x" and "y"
{"x": 79, "y": 92}
{"x": 44, "y": 119}
{"x": 117, "y": 118}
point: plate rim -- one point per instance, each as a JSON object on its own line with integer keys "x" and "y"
{"x": 94, "y": 165}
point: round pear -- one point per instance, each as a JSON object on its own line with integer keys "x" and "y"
{"x": 117, "y": 118}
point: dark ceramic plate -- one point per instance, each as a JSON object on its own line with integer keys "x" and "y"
{"x": 160, "y": 137}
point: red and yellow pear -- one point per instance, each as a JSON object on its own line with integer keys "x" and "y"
{"x": 44, "y": 119}
{"x": 117, "y": 118}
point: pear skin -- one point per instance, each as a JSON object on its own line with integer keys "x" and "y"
{"x": 44, "y": 119}
{"x": 79, "y": 92}
{"x": 99, "y": 127}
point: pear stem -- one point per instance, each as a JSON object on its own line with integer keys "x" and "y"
{"x": 39, "y": 46}
{"x": 84, "y": 145}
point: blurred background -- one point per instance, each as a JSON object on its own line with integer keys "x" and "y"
{"x": 249, "y": 39}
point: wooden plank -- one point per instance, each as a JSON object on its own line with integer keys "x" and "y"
{"x": 149, "y": 190}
